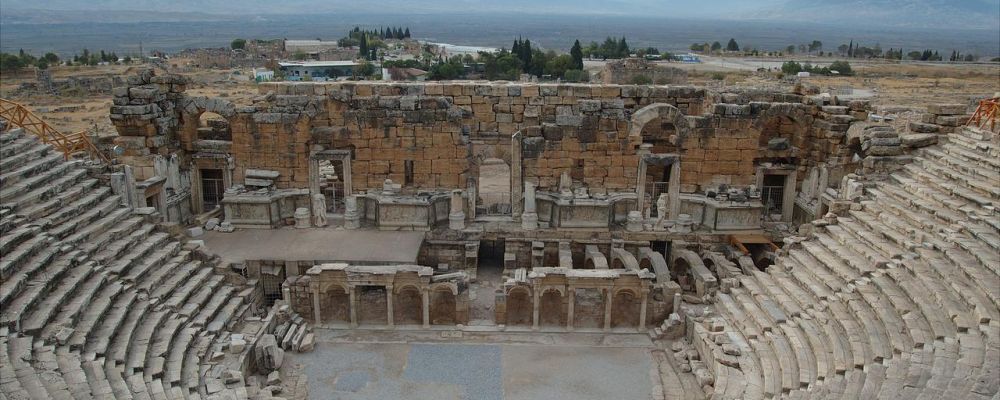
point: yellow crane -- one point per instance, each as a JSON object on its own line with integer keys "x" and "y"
{"x": 18, "y": 115}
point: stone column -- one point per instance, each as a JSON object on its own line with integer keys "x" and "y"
{"x": 456, "y": 218}
{"x": 515, "y": 172}
{"x": 608, "y": 297}
{"x": 354, "y": 306}
{"x": 427, "y": 308}
{"x": 529, "y": 219}
{"x": 388, "y": 305}
{"x": 316, "y": 311}
{"x": 571, "y": 295}
{"x": 534, "y": 309}
{"x": 674, "y": 189}
{"x": 352, "y": 219}
{"x": 642, "y": 311}
{"x": 788, "y": 197}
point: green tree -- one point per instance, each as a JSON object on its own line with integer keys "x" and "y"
{"x": 816, "y": 45}
{"x": 716, "y": 46}
{"x": 577, "y": 53}
{"x": 10, "y": 63}
{"x": 842, "y": 67}
{"x": 406, "y": 33}
{"x": 791, "y": 68}
{"x": 238, "y": 44}
{"x": 42, "y": 64}
{"x": 622, "y": 50}
{"x": 300, "y": 55}
{"x": 363, "y": 70}
{"x": 790, "y": 49}
{"x": 558, "y": 65}
{"x": 575, "y": 75}
{"x": 732, "y": 46}
{"x": 52, "y": 58}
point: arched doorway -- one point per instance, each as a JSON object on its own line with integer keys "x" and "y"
{"x": 551, "y": 311}
{"x": 494, "y": 188}
{"x": 407, "y": 307}
{"x": 335, "y": 305}
{"x": 625, "y": 309}
{"x": 442, "y": 306}
{"x": 519, "y": 307}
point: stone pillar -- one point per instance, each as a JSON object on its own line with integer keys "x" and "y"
{"x": 674, "y": 189}
{"x": 456, "y": 218}
{"x": 677, "y": 303}
{"x": 302, "y": 218}
{"x": 317, "y": 319}
{"x": 529, "y": 219}
{"x": 608, "y": 297}
{"x": 388, "y": 305}
{"x": 427, "y": 308}
{"x": 534, "y": 309}
{"x": 352, "y": 219}
{"x": 515, "y": 173}
{"x": 571, "y": 295}
{"x": 354, "y": 306}
{"x": 131, "y": 196}
{"x": 788, "y": 197}
{"x": 642, "y": 310}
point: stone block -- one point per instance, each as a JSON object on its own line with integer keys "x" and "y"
{"x": 946, "y": 109}
{"x": 920, "y": 127}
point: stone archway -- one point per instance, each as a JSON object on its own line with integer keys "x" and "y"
{"x": 335, "y": 305}
{"x": 407, "y": 306}
{"x": 443, "y": 303}
{"x": 666, "y": 114}
{"x": 372, "y": 305}
{"x": 551, "y": 310}
{"x": 625, "y": 310}
{"x": 519, "y": 307}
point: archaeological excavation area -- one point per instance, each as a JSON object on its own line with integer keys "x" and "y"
{"x": 717, "y": 243}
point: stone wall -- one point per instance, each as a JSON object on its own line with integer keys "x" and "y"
{"x": 627, "y": 71}
{"x": 436, "y": 135}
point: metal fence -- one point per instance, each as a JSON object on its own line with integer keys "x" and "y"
{"x": 773, "y": 199}
{"x": 493, "y": 204}
{"x": 653, "y": 192}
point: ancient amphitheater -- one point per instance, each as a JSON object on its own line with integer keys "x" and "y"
{"x": 764, "y": 244}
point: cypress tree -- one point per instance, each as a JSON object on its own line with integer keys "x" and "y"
{"x": 406, "y": 34}
{"x": 577, "y": 53}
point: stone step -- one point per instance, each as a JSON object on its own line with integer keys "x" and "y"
{"x": 99, "y": 384}
{"x": 190, "y": 270}
{"x": 224, "y": 318}
{"x": 113, "y": 330}
{"x": 66, "y": 198}
{"x": 73, "y": 309}
{"x": 151, "y": 262}
{"x": 13, "y": 314}
{"x": 9, "y": 384}
{"x": 191, "y": 370}
{"x": 126, "y": 240}
{"x": 79, "y": 206}
{"x": 29, "y": 170}
{"x": 207, "y": 313}
{"x": 159, "y": 347}
{"x": 41, "y": 186}
{"x": 10, "y": 241}
{"x": 46, "y": 364}
{"x": 73, "y": 281}
{"x": 122, "y": 266}
{"x": 110, "y": 215}
{"x": 969, "y": 172}
{"x": 118, "y": 349}
{"x": 941, "y": 326}
{"x": 28, "y": 151}
{"x": 853, "y": 331}
{"x": 107, "y": 206}
{"x": 97, "y": 316}
{"x": 160, "y": 277}
{"x": 142, "y": 339}
{"x": 21, "y": 358}
{"x": 20, "y": 144}
{"x": 14, "y": 261}
{"x": 173, "y": 371}
{"x": 895, "y": 327}
{"x": 202, "y": 278}
{"x": 117, "y": 380}
{"x": 916, "y": 324}
{"x": 12, "y": 286}
{"x": 108, "y": 237}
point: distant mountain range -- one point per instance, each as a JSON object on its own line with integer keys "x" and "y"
{"x": 941, "y": 14}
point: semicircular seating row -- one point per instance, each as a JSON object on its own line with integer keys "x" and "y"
{"x": 95, "y": 302}
{"x": 900, "y": 299}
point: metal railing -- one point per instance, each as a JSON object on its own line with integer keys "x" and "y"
{"x": 20, "y": 116}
